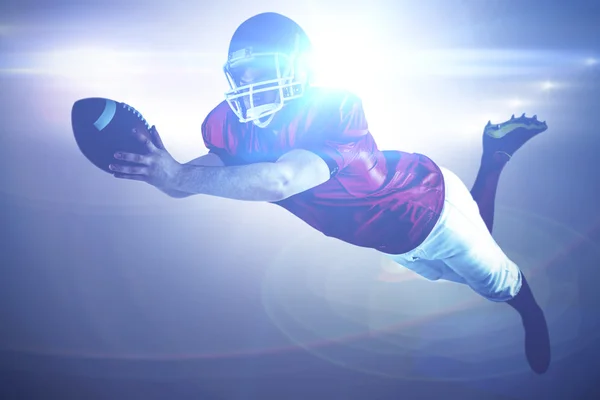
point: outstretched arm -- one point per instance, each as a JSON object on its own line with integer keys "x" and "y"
{"x": 294, "y": 172}
{"x": 207, "y": 160}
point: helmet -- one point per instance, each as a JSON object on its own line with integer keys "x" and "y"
{"x": 276, "y": 49}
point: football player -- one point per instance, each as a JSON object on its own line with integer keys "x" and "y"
{"x": 308, "y": 149}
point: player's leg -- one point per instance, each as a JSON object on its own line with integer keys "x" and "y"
{"x": 462, "y": 241}
{"x": 486, "y": 184}
{"x": 500, "y": 142}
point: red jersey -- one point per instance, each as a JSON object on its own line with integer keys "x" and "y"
{"x": 385, "y": 200}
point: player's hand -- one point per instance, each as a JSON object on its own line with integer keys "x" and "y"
{"x": 156, "y": 140}
{"x": 158, "y": 167}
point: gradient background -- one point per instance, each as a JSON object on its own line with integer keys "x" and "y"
{"x": 110, "y": 289}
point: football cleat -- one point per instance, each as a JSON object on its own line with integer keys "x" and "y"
{"x": 508, "y": 137}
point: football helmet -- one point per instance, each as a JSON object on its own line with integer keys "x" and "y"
{"x": 276, "y": 50}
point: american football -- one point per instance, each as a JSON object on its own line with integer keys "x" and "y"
{"x": 103, "y": 126}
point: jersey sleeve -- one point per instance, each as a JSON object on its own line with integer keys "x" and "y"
{"x": 340, "y": 143}
{"x": 214, "y": 135}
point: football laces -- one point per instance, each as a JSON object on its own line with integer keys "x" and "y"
{"x": 136, "y": 113}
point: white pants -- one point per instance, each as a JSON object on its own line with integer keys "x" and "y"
{"x": 461, "y": 249}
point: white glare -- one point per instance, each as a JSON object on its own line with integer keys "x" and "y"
{"x": 548, "y": 85}
{"x": 517, "y": 103}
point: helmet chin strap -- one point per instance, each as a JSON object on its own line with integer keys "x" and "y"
{"x": 265, "y": 123}
{"x": 256, "y": 112}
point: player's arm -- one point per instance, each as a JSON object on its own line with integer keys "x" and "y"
{"x": 294, "y": 172}
{"x": 207, "y": 160}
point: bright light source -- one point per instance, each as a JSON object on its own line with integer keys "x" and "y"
{"x": 548, "y": 85}
{"x": 591, "y": 61}
{"x": 516, "y": 103}
{"x": 336, "y": 60}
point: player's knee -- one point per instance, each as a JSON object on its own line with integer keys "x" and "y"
{"x": 498, "y": 295}
{"x": 501, "y": 287}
